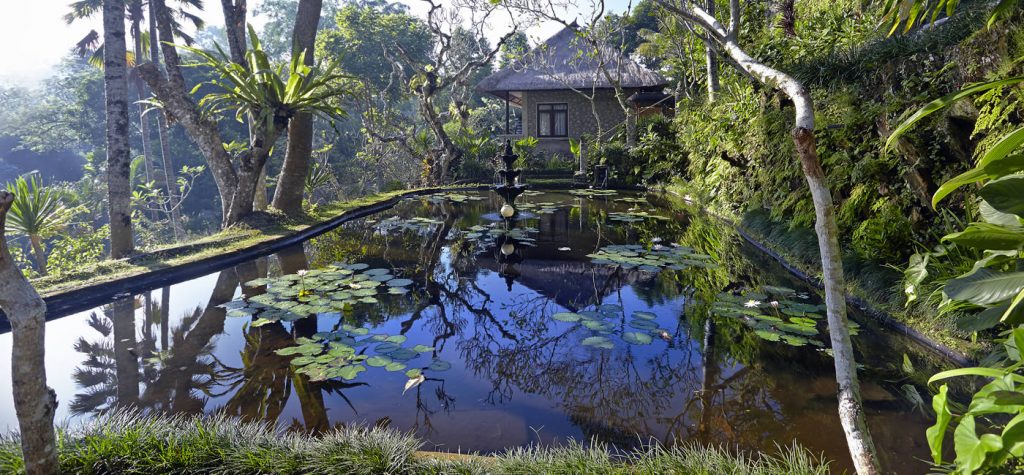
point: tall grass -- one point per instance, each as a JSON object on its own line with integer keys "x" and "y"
{"x": 127, "y": 442}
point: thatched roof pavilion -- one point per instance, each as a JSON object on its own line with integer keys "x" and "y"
{"x": 550, "y": 82}
{"x": 565, "y": 62}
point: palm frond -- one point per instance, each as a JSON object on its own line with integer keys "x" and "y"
{"x": 37, "y": 210}
{"x": 82, "y": 9}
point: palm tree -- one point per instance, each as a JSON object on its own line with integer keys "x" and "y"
{"x": 91, "y": 47}
{"x": 36, "y": 213}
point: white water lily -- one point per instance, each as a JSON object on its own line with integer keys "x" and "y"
{"x": 774, "y": 303}
{"x": 752, "y": 303}
{"x": 413, "y": 382}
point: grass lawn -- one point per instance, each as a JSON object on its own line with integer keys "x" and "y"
{"x": 129, "y": 443}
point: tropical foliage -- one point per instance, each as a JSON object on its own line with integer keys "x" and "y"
{"x": 37, "y": 213}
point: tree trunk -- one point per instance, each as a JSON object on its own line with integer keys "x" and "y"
{"x": 40, "y": 253}
{"x": 170, "y": 180}
{"x": 851, "y": 413}
{"x": 34, "y": 402}
{"x": 147, "y": 154}
{"x": 787, "y": 19}
{"x": 172, "y": 92}
{"x": 259, "y": 200}
{"x": 126, "y": 354}
{"x": 234, "y": 28}
{"x": 115, "y": 82}
{"x": 851, "y": 409}
{"x": 165, "y": 319}
{"x": 250, "y": 165}
{"x": 292, "y": 179}
{"x": 711, "y": 59}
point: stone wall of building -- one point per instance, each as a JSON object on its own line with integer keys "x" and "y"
{"x": 581, "y": 120}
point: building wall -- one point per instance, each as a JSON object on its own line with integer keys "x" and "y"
{"x": 581, "y": 119}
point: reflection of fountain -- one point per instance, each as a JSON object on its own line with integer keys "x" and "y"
{"x": 508, "y": 254}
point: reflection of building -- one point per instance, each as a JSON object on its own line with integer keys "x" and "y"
{"x": 548, "y": 85}
{"x": 565, "y": 276}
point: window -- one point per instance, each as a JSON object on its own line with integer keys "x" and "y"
{"x": 552, "y": 120}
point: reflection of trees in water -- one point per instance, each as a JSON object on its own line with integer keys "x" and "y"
{"x": 714, "y": 382}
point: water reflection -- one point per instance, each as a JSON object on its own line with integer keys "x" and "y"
{"x": 517, "y": 375}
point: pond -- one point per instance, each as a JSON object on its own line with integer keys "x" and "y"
{"x": 598, "y": 316}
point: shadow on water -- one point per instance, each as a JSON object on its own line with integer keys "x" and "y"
{"x": 533, "y": 350}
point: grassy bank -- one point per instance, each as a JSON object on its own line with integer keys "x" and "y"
{"x": 261, "y": 228}
{"x": 128, "y": 443}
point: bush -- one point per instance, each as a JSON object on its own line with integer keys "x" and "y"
{"x": 393, "y": 185}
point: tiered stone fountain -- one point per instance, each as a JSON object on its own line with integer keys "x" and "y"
{"x": 509, "y": 254}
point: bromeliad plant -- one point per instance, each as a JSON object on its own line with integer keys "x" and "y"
{"x": 268, "y": 93}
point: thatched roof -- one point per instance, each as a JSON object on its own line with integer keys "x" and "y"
{"x": 565, "y": 62}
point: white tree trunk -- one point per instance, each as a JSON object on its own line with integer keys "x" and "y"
{"x": 851, "y": 409}
{"x": 711, "y": 61}
{"x": 34, "y": 402}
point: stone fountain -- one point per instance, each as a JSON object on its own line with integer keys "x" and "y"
{"x": 509, "y": 254}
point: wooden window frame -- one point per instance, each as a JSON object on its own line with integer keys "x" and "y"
{"x": 551, "y": 108}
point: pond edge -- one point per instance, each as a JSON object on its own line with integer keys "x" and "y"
{"x": 881, "y": 316}
{"x": 82, "y": 298}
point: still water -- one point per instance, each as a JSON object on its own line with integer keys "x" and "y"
{"x": 531, "y": 333}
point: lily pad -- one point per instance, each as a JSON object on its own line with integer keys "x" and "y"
{"x": 643, "y": 324}
{"x": 378, "y": 361}
{"x": 645, "y": 315}
{"x": 439, "y": 365}
{"x": 637, "y": 338}
{"x": 567, "y": 317}
{"x": 599, "y": 342}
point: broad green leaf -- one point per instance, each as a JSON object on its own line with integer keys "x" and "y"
{"x": 945, "y": 101}
{"x": 972, "y": 450}
{"x": 1013, "y": 436}
{"x": 915, "y": 273}
{"x": 970, "y": 176}
{"x": 987, "y": 236}
{"x": 937, "y": 433}
{"x": 976, "y": 371}
{"x": 993, "y": 216}
{"x": 1005, "y": 166}
{"x": 1003, "y": 148}
{"x": 1011, "y": 309}
{"x": 1005, "y": 194}
{"x": 982, "y": 320}
{"x": 985, "y": 287}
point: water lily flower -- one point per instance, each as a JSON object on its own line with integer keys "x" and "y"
{"x": 303, "y": 272}
{"x": 752, "y": 303}
{"x": 413, "y": 382}
{"x": 774, "y": 303}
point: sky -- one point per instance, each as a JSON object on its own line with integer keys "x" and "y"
{"x": 34, "y": 36}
